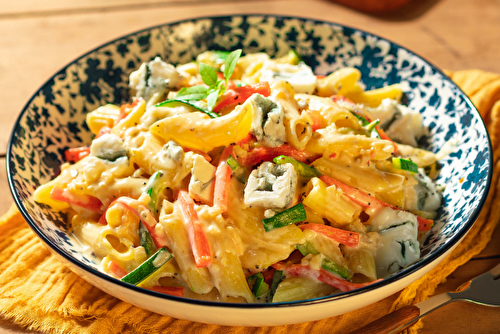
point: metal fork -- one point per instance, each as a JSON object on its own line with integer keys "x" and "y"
{"x": 483, "y": 290}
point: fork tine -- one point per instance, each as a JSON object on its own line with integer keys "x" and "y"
{"x": 495, "y": 271}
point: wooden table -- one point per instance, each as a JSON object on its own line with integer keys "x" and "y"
{"x": 37, "y": 38}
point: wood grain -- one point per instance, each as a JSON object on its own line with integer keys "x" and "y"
{"x": 391, "y": 321}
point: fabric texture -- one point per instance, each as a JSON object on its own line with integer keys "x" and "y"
{"x": 39, "y": 292}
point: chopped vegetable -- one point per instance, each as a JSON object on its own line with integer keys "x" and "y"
{"x": 237, "y": 95}
{"x": 148, "y": 267}
{"x": 197, "y": 238}
{"x": 116, "y": 269}
{"x": 154, "y": 187}
{"x": 290, "y": 216}
{"x": 177, "y": 291}
{"x": 301, "y": 168}
{"x": 348, "y": 238}
{"x": 143, "y": 213}
{"x": 232, "y": 163}
{"x": 258, "y": 285}
{"x": 334, "y": 268}
{"x": 307, "y": 248}
{"x": 405, "y": 164}
{"x": 261, "y": 154}
{"x": 82, "y": 200}
{"x": 196, "y": 105}
{"x": 146, "y": 240}
{"x": 76, "y": 154}
{"x": 277, "y": 278}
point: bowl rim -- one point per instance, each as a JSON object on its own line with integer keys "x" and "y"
{"x": 385, "y": 282}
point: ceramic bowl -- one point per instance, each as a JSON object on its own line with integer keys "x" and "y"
{"x": 54, "y": 120}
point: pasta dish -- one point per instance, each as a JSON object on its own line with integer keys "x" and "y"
{"x": 246, "y": 178}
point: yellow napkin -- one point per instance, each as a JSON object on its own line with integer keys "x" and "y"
{"x": 40, "y": 293}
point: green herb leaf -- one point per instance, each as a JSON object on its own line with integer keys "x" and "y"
{"x": 212, "y": 99}
{"x": 230, "y": 63}
{"x": 208, "y": 74}
{"x": 192, "y": 93}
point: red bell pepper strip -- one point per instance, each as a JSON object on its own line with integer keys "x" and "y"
{"x": 176, "y": 291}
{"x": 223, "y": 179}
{"x": 261, "y": 154}
{"x": 116, "y": 269}
{"x": 237, "y": 95}
{"x": 340, "y": 98}
{"x": 315, "y": 119}
{"x": 82, "y": 200}
{"x": 197, "y": 238}
{"x": 367, "y": 201}
{"x": 321, "y": 275}
{"x": 147, "y": 218}
{"x": 76, "y": 154}
{"x": 348, "y": 238}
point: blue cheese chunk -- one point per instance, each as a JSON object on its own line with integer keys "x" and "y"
{"x": 108, "y": 147}
{"x": 300, "y": 77}
{"x": 424, "y": 196}
{"x": 171, "y": 155}
{"x": 202, "y": 179}
{"x": 271, "y": 186}
{"x": 398, "y": 246}
{"x": 268, "y": 121}
{"x": 153, "y": 77}
{"x": 399, "y": 122}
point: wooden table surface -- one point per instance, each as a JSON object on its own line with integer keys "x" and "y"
{"x": 38, "y": 37}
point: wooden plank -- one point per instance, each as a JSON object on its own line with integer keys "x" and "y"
{"x": 462, "y": 317}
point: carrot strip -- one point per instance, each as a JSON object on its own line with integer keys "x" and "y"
{"x": 222, "y": 180}
{"x": 76, "y": 154}
{"x": 116, "y": 269}
{"x": 177, "y": 291}
{"x": 197, "y": 238}
{"x": 348, "y": 238}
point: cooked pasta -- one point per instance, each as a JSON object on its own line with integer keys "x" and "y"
{"x": 249, "y": 179}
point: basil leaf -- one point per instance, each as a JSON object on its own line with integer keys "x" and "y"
{"x": 212, "y": 99}
{"x": 192, "y": 93}
{"x": 230, "y": 63}
{"x": 220, "y": 56}
{"x": 208, "y": 74}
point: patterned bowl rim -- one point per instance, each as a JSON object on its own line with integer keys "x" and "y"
{"x": 396, "y": 277}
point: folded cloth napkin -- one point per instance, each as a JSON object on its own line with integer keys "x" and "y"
{"x": 39, "y": 292}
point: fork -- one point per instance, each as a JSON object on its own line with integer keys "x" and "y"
{"x": 483, "y": 290}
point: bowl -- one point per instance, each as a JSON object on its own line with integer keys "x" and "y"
{"x": 54, "y": 120}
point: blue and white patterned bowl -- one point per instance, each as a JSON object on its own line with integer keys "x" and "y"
{"x": 54, "y": 120}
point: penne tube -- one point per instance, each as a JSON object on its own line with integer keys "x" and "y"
{"x": 198, "y": 279}
{"x": 339, "y": 82}
{"x": 330, "y": 203}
